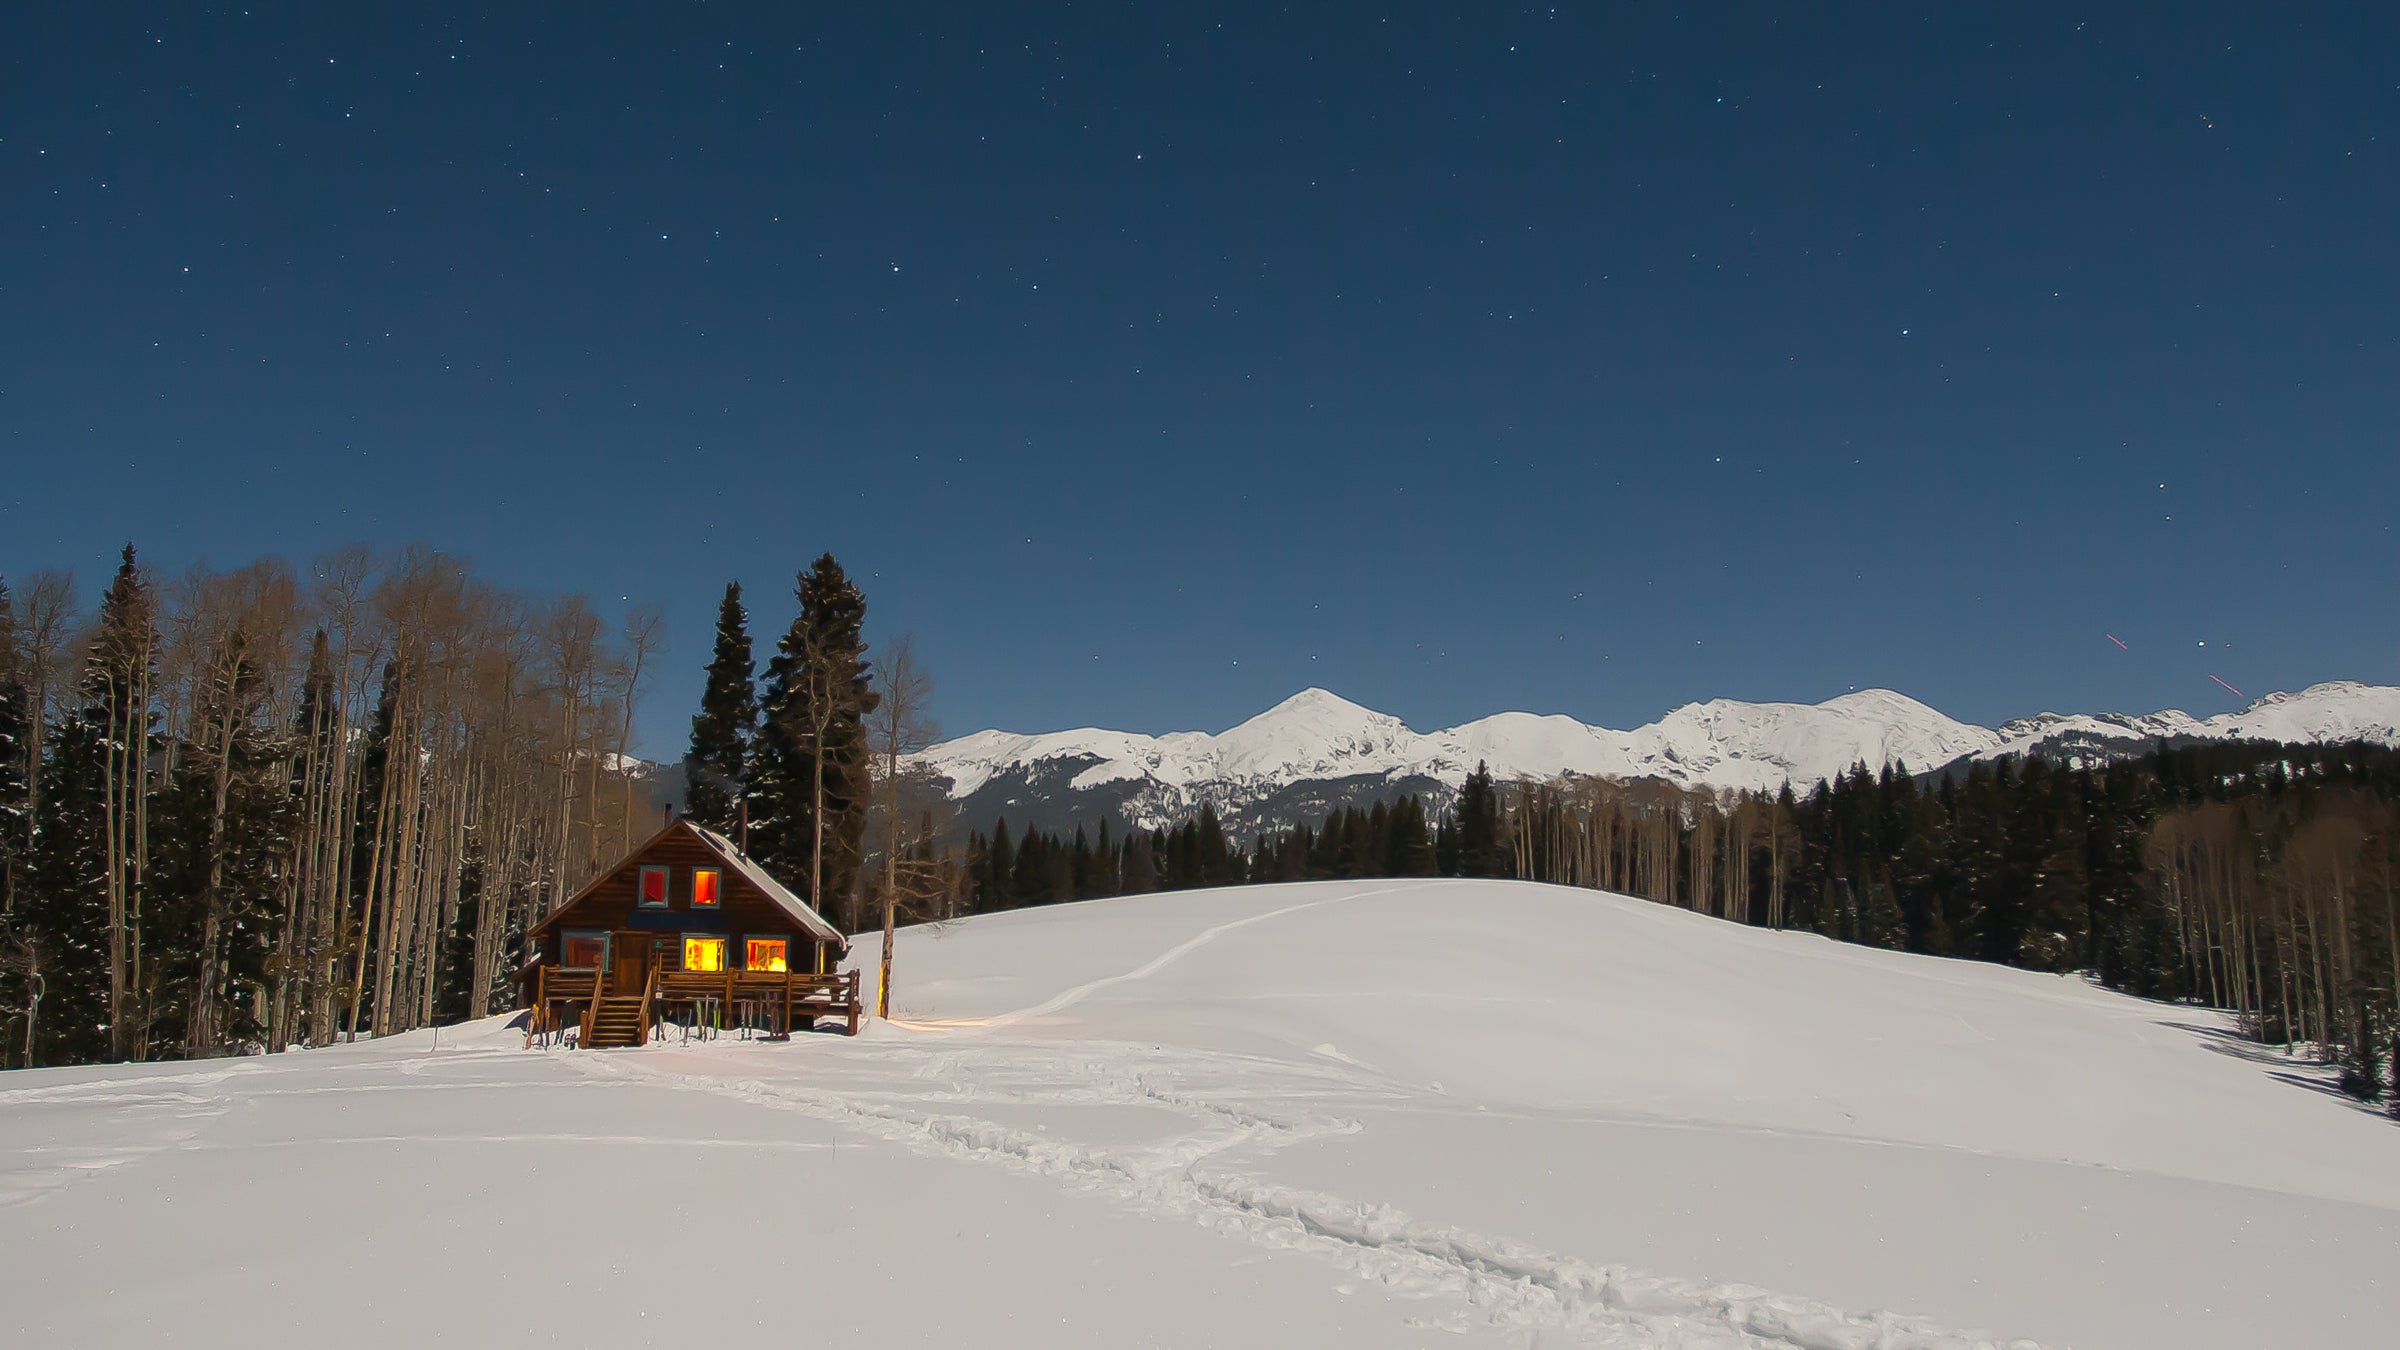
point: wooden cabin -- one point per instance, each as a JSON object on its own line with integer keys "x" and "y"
{"x": 685, "y": 926}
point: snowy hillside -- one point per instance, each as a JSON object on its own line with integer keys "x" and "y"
{"x": 1352, "y": 1114}
{"x": 1318, "y": 740}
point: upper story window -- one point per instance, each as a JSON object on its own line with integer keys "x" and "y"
{"x": 706, "y": 883}
{"x": 653, "y": 891}
{"x": 582, "y": 950}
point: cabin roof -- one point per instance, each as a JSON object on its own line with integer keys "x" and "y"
{"x": 775, "y": 891}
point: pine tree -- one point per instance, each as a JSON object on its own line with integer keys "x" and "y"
{"x": 1000, "y": 866}
{"x": 353, "y": 938}
{"x": 1141, "y": 863}
{"x": 716, "y": 767}
{"x": 1879, "y": 920}
{"x": 1079, "y": 867}
{"x": 62, "y": 916}
{"x": 812, "y": 779}
{"x": 2395, "y": 1076}
{"x": 16, "y": 783}
{"x": 225, "y": 840}
{"x": 1030, "y": 883}
{"x": 120, "y": 672}
{"x": 1217, "y": 861}
{"x": 455, "y": 997}
{"x": 16, "y": 743}
{"x": 1480, "y": 850}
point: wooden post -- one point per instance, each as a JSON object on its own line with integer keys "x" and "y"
{"x": 883, "y": 983}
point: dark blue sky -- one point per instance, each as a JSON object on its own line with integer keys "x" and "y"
{"x": 1151, "y": 367}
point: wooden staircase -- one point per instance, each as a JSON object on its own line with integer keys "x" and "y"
{"x": 616, "y": 1021}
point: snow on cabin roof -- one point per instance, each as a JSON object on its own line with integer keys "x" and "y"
{"x": 774, "y": 890}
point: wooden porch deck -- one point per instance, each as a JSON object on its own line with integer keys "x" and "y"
{"x": 606, "y": 1017}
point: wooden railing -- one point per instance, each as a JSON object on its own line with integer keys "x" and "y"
{"x": 552, "y": 987}
{"x": 649, "y": 997}
{"x": 788, "y": 994}
{"x": 564, "y": 997}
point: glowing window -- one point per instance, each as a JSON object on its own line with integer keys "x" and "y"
{"x": 704, "y": 888}
{"x": 704, "y": 953}
{"x": 653, "y": 894}
{"x": 764, "y": 954}
{"x": 583, "y": 951}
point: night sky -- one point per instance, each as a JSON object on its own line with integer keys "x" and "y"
{"x": 1150, "y": 367}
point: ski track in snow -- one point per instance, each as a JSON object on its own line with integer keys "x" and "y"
{"x": 1496, "y": 1280}
{"x": 149, "y": 1116}
{"x": 1069, "y": 998}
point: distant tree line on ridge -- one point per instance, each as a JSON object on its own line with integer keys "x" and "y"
{"x": 2259, "y": 878}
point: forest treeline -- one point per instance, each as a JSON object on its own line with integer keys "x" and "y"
{"x": 280, "y": 805}
{"x": 276, "y": 806}
{"x": 2259, "y": 878}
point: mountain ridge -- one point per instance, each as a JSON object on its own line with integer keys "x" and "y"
{"x": 1317, "y": 749}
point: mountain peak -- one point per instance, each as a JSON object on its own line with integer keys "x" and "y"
{"x": 1317, "y": 747}
{"x": 1316, "y": 703}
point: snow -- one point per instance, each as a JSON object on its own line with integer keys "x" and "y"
{"x": 1333, "y": 1115}
{"x": 1722, "y": 743}
{"x": 2339, "y": 710}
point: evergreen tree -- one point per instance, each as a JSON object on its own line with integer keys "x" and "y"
{"x": 1080, "y": 871}
{"x": 1030, "y": 883}
{"x": 1216, "y": 863}
{"x": 1879, "y": 920}
{"x": 1141, "y": 863}
{"x": 225, "y": 837}
{"x": 119, "y": 701}
{"x": 16, "y": 745}
{"x": 455, "y": 997}
{"x": 716, "y": 767}
{"x": 1480, "y": 851}
{"x": 1106, "y": 878}
{"x": 2395, "y": 1075}
{"x": 1411, "y": 852}
{"x": 1000, "y": 867}
{"x": 374, "y": 773}
{"x": 812, "y": 780}
{"x": 62, "y": 915}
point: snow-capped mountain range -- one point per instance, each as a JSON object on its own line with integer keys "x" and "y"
{"x": 1316, "y": 749}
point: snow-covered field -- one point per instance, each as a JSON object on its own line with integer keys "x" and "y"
{"x": 1331, "y": 1115}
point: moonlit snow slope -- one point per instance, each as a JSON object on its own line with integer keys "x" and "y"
{"x": 1364, "y": 1114}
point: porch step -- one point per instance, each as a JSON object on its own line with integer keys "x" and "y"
{"x": 616, "y": 1023}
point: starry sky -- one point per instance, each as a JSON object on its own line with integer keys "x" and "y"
{"x": 1149, "y": 363}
